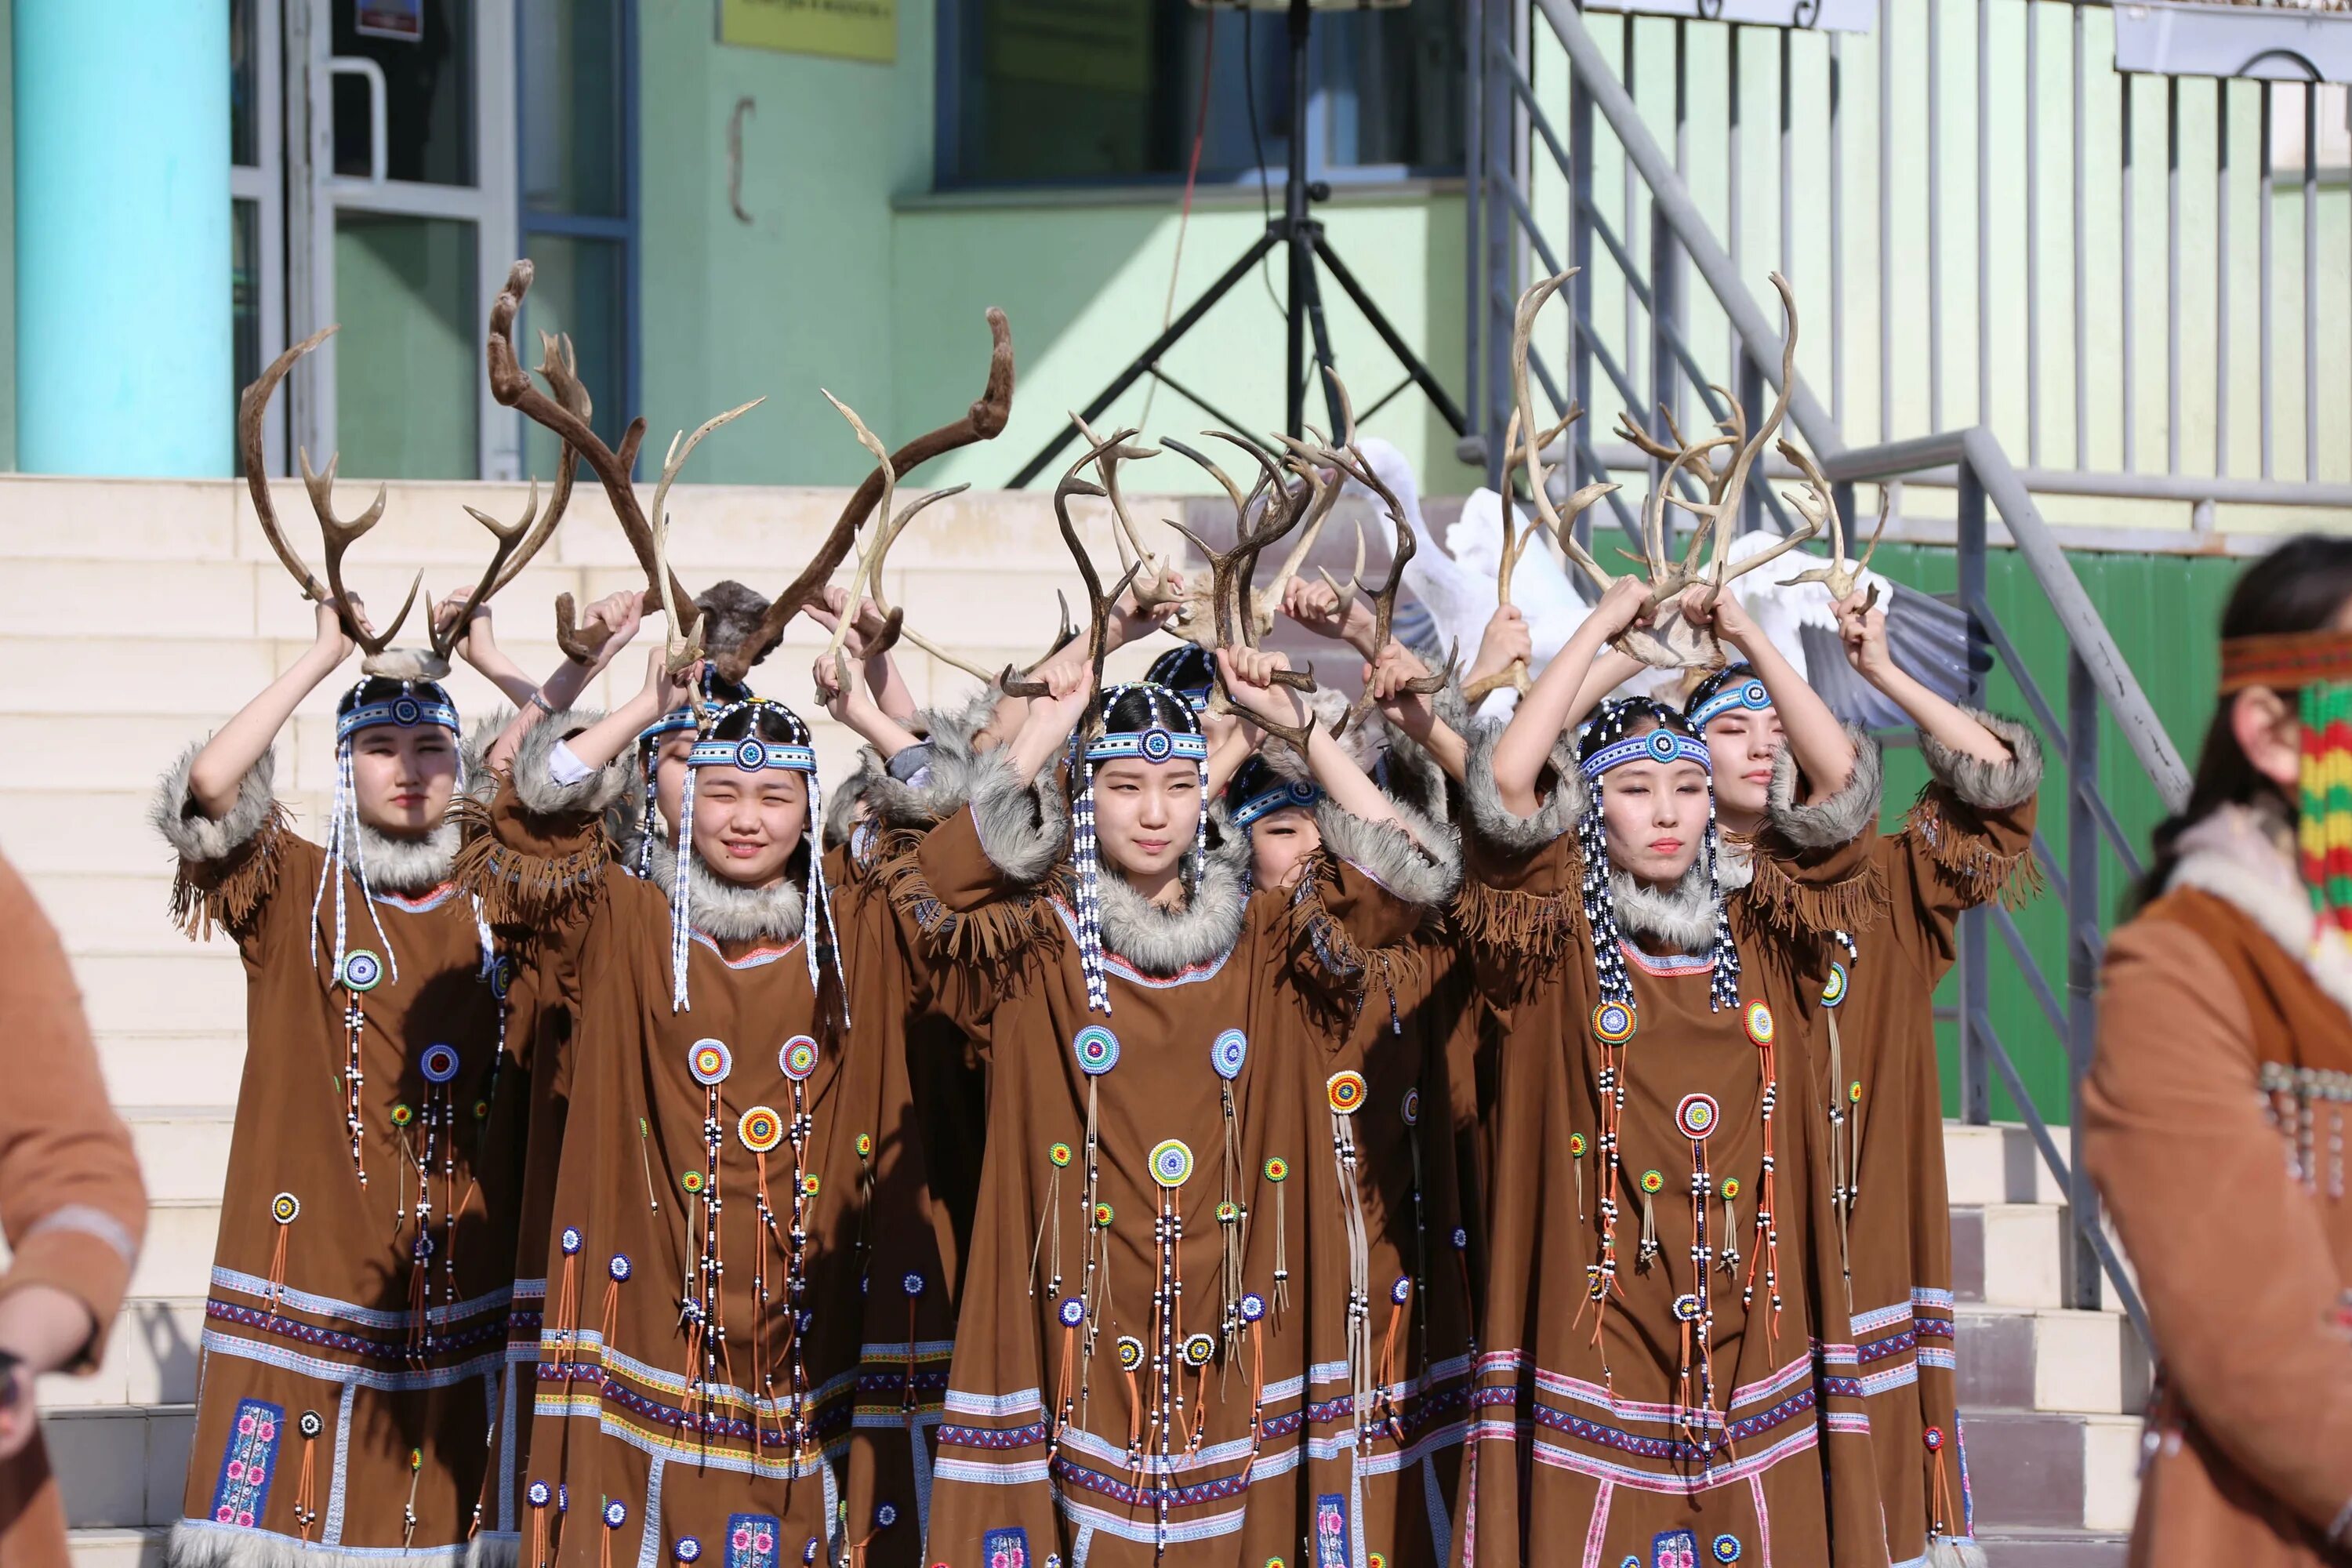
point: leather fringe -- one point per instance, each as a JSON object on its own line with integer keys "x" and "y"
{"x": 518, "y": 888}
{"x": 209, "y": 895}
{"x": 1800, "y": 910}
{"x": 998, "y": 935}
{"x": 1321, "y": 948}
{"x": 1966, "y": 858}
{"x": 1531, "y": 927}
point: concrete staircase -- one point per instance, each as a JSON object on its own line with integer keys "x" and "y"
{"x": 145, "y": 613}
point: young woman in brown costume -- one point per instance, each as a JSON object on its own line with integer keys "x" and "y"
{"x": 1666, "y": 1375}
{"x": 1966, "y": 840}
{"x": 360, "y": 1290}
{"x": 2214, "y": 1117}
{"x": 1132, "y": 1378}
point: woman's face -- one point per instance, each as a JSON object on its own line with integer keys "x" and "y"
{"x": 1147, "y": 815}
{"x": 1654, "y": 815}
{"x": 1744, "y": 744}
{"x": 1280, "y": 842}
{"x": 402, "y": 777}
{"x": 746, "y": 825}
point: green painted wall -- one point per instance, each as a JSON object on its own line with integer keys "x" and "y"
{"x": 800, "y": 296}
{"x": 2163, "y": 611}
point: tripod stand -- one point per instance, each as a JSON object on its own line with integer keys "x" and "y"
{"x": 1305, "y": 243}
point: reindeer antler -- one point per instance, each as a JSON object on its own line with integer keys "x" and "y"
{"x": 1818, "y": 505}
{"x": 981, "y": 422}
{"x": 1100, "y": 604}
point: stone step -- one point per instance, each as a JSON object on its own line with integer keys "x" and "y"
{"x": 189, "y": 1067}
{"x": 2011, "y": 1255}
{"x": 2001, "y": 1163}
{"x": 121, "y": 1467}
{"x": 151, "y": 1358}
{"x": 177, "y": 1259}
{"x": 2054, "y": 1548}
{"x": 2037, "y": 1468}
{"x": 97, "y": 1548}
{"x": 183, "y": 1148}
{"x": 2041, "y": 1359}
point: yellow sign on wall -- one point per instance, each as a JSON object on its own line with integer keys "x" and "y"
{"x": 845, "y": 29}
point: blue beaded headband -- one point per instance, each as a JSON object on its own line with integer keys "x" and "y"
{"x": 670, "y": 723}
{"x": 1298, "y": 792}
{"x": 405, "y": 711}
{"x": 1748, "y": 694}
{"x": 1153, "y": 745}
{"x": 1660, "y": 745}
{"x": 751, "y": 753}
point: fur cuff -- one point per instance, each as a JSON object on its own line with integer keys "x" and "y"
{"x": 1988, "y": 786}
{"x": 534, "y": 781}
{"x": 201, "y": 1543}
{"x": 840, "y": 804}
{"x": 1024, "y": 826}
{"x": 1496, "y": 825}
{"x": 1840, "y": 819}
{"x": 197, "y": 839}
{"x": 474, "y": 748}
{"x": 1420, "y": 863}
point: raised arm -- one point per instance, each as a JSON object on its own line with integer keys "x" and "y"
{"x": 856, "y": 706}
{"x": 1817, "y": 743}
{"x": 619, "y": 612}
{"x": 219, "y": 769}
{"x": 1388, "y": 678}
{"x": 1562, "y": 697}
{"x": 1864, "y": 636}
{"x": 477, "y": 645}
{"x": 1248, "y": 674}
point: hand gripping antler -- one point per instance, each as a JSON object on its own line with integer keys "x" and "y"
{"x": 1100, "y": 606}
{"x": 1818, "y": 504}
{"x": 981, "y": 422}
{"x": 513, "y": 387}
{"x": 339, "y": 535}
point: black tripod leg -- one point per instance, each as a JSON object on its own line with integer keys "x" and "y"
{"x": 1313, "y": 292}
{"x": 1149, "y": 356}
{"x": 1421, "y": 374}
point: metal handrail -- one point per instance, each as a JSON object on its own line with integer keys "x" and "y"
{"x": 2098, "y": 681}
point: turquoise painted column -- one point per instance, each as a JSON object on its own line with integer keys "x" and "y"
{"x": 125, "y": 360}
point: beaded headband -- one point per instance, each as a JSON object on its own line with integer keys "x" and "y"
{"x": 1660, "y": 745}
{"x": 1748, "y": 694}
{"x": 405, "y": 710}
{"x": 1298, "y": 792}
{"x": 2286, "y": 660}
{"x": 752, "y": 754}
{"x": 1153, "y": 745}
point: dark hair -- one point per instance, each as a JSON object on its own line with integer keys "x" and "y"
{"x": 1714, "y": 681}
{"x": 768, "y": 721}
{"x": 1251, "y": 779}
{"x": 1146, "y": 704}
{"x": 2298, "y": 587}
{"x": 1623, "y": 716}
{"x": 1185, "y": 670}
{"x": 376, "y": 689}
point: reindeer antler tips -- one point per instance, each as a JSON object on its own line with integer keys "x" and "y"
{"x": 520, "y": 275}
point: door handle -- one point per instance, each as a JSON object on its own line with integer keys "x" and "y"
{"x": 369, "y": 71}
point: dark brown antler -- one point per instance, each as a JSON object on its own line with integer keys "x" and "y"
{"x": 339, "y": 535}
{"x": 981, "y": 422}
{"x": 1233, "y": 606}
{"x": 568, "y": 419}
{"x": 1100, "y": 604}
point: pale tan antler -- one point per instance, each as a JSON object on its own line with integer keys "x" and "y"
{"x": 1818, "y": 505}
{"x": 1720, "y": 513}
{"x": 685, "y": 637}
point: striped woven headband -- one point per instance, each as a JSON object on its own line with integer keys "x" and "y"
{"x": 1657, "y": 746}
{"x": 751, "y": 753}
{"x": 2286, "y": 660}
{"x": 1298, "y": 791}
{"x": 1748, "y": 693}
{"x": 1153, "y": 745}
{"x": 405, "y": 711}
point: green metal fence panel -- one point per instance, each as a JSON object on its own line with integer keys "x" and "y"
{"x": 2164, "y": 612}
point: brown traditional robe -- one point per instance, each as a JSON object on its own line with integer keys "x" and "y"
{"x": 355, "y": 1326}
{"x": 2213, "y": 1121}
{"x": 1606, "y": 1431}
{"x": 1153, "y": 1178}
{"x": 1968, "y": 840}
{"x": 743, "y": 1327}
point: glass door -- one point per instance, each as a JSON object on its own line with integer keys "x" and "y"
{"x": 399, "y": 148}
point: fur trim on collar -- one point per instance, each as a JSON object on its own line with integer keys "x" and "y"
{"x": 1674, "y": 920}
{"x": 1495, "y": 824}
{"x": 1840, "y": 819}
{"x": 729, "y": 911}
{"x": 945, "y": 782}
{"x": 1420, "y": 862}
{"x": 197, "y": 839}
{"x": 1162, "y": 940}
{"x": 841, "y": 801}
{"x": 402, "y": 865}
{"x": 1988, "y": 786}
{"x": 534, "y": 777}
{"x": 2244, "y": 855}
{"x": 1024, "y": 825}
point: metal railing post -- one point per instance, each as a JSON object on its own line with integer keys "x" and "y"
{"x": 2081, "y": 953}
{"x": 1666, "y": 309}
{"x": 1499, "y": 141}
{"x": 1976, "y": 928}
{"x": 1579, "y": 255}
